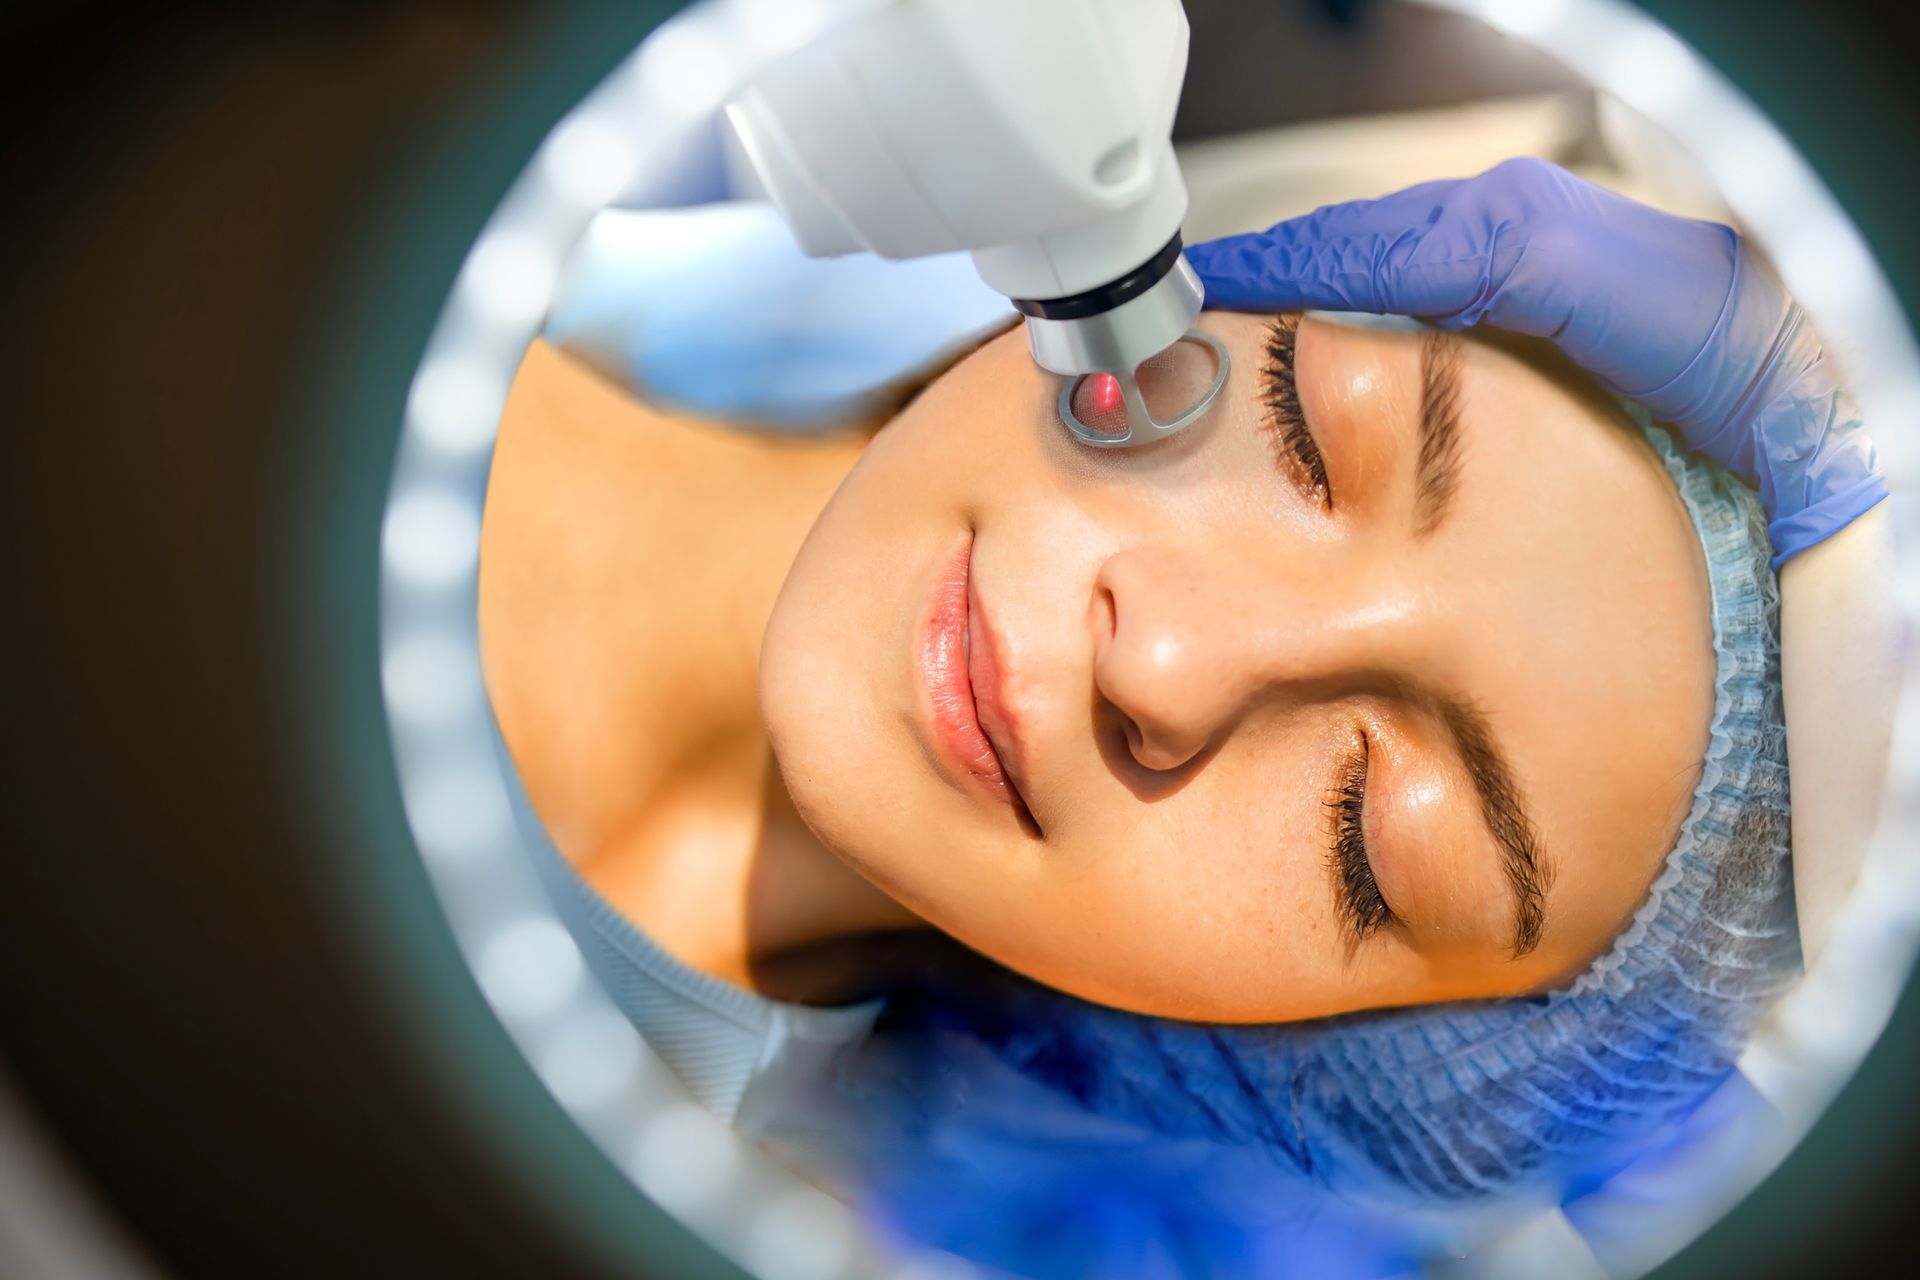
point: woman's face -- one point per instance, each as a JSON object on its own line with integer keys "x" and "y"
{"x": 1386, "y": 682}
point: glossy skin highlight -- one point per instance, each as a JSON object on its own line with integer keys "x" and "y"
{"x": 1189, "y": 644}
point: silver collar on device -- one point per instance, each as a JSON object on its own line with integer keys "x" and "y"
{"x": 1113, "y": 329}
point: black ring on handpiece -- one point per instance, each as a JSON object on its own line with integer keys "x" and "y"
{"x": 1108, "y": 296}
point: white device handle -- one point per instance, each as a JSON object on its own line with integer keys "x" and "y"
{"x": 1033, "y": 133}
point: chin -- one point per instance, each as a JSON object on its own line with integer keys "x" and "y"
{"x": 822, "y": 727}
{"x": 795, "y": 705}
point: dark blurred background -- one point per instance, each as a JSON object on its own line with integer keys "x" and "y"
{"x": 206, "y": 1059}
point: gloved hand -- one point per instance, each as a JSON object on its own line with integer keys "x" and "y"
{"x": 1675, "y": 313}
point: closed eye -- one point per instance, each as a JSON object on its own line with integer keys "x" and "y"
{"x": 1294, "y": 450}
{"x": 1357, "y": 893}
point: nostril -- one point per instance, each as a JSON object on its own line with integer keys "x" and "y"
{"x": 1120, "y": 735}
{"x": 1158, "y": 752}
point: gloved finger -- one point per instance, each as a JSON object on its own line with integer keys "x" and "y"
{"x": 1364, "y": 255}
{"x": 1626, "y": 291}
{"x": 1506, "y": 246}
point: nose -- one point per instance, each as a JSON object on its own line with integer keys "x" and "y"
{"x": 1189, "y": 643}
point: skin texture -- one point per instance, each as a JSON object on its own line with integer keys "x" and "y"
{"x": 1194, "y": 647}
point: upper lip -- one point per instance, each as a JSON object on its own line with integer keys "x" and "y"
{"x": 987, "y": 672}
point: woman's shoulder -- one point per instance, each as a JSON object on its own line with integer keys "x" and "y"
{"x": 1842, "y": 641}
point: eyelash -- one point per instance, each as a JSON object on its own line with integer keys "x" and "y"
{"x": 1360, "y": 900}
{"x": 1292, "y": 444}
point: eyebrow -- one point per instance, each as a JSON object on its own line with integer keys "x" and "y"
{"x": 1436, "y": 477}
{"x": 1527, "y": 870}
{"x": 1437, "y": 469}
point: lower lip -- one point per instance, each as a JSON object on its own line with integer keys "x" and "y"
{"x": 959, "y": 741}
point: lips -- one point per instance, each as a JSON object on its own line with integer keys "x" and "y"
{"x": 962, "y": 669}
{"x": 986, "y": 666}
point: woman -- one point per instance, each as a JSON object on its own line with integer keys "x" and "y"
{"x": 1413, "y": 674}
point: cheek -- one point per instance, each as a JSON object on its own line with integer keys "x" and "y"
{"x": 1209, "y": 904}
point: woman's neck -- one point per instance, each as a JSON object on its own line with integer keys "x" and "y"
{"x": 630, "y": 560}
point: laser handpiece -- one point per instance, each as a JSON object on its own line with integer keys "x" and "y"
{"x": 1035, "y": 136}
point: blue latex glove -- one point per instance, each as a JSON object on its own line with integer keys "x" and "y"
{"x": 1675, "y": 313}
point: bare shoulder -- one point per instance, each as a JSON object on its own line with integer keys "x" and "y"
{"x": 628, "y": 556}
{"x": 595, "y": 569}
{"x": 1841, "y": 645}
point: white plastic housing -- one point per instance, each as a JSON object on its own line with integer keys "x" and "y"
{"x": 1033, "y": 133}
